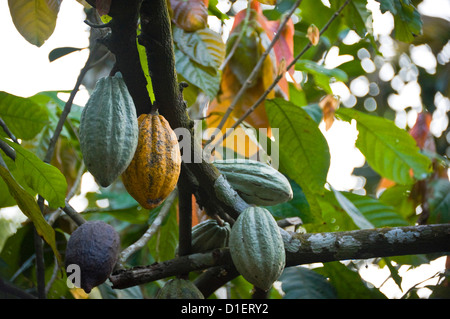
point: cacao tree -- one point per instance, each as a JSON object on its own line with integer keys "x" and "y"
{"x": 211, "y": 150}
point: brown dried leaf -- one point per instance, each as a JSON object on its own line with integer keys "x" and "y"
{"x": 103, "y": 6}
{"x": 329, "y": 104}
{"x": 313, "y": 34}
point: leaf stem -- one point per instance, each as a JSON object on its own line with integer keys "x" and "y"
{"x": 140, "y": 243}
{"x": 238, "y": 39}
{"x": 278, "y": 78}
{"x": 257, "y": 67}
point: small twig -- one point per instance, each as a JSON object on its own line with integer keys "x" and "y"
{"x": 98, "y": 26}
{"x": 438, "y": 274}
{"x": 12, "y": 290}
{"x": 54, "y": 216}
{"x": 40, "y": 267}
{"x": 72, "y": 213}
{"x": 258, "y": 66}
{"x": 140, "y": 243}
{"x": 278, "y": 78}
{"x": 53, "y": 278}
{"x": 9, "y": 151}
{"x": 238, "y": 39}
{"x": 7, "y": 131}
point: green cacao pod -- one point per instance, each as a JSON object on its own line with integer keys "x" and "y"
{"x": 178, "y": 288}
{"x": 209, "y": 235}
{"x": 94, "y": 248}
{"x": 257, "y": 183}
{"x": 108, "y": 130}
{"x": 257, "y": 248}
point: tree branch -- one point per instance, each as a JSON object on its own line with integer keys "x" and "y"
{"x": 258, "y": 66}
{"x": 140, "y": 243}
{"x": 278, "y": 78}
{"x": 180, "y": 265}
{"x": 156, "y": 37}
{"x": 122, "y": 43}
{"x": 306, "y": 249}
{"x": 367, "y": 243}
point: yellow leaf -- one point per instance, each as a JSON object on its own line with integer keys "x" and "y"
{"x": 270, "y": 2}
{"x": 34, "y": 19}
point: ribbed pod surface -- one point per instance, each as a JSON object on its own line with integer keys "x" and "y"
{"x": 153, "y": 173}
{"x": 257, "y": 248}
{"x": 178, "y": 288}
{"x": 256, "y": 182}
{"x": 108, "y": 130}
{"x": 209, "y": 235}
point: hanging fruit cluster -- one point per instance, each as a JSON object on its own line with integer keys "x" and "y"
{"x": 114, "y": 142}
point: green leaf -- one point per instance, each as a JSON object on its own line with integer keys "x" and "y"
{"x": 376, "y": 212}
{"x": 144, "y": 65}
{"x": 60, "y": 52}
{"x": 204, "y": 46}
{"x": 5, "y": 199}
{"x": 303, "y": 149}
{"x": 29, "y": 207}
{"x": 322, "y": 76}
{"x": 358, "y": 218}
{"x": 355, "y": 14}
{"x": 348, "y": 283}
{"x": 34, "y": 19}
{"x": 389, "y": 150}
{"x": 164, "y": 242}
{"x": 304, "y": 283}
{"x": 407, "y": 20}
{"x": 439, "y": 201}
{"x": 205, "y": 78}
{"x": 298, "y": 206}
{"x": 23, "y": 117}
{"x": 43, "y": 178}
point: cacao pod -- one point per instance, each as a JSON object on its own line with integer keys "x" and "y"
{"x": 257, "y": 248}
{"x": 178, "y": 288}
{"x": 154, "y": 170}
{"x": 94, "y": 248}
{"x": 209, "y": 235}
{"x": 108, "y": 130}
{"x": 257, "y": 183}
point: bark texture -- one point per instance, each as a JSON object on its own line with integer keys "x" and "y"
{"x": 305, "y": 249}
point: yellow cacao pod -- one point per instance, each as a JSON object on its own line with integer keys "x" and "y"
{"x": 154, "y": 170}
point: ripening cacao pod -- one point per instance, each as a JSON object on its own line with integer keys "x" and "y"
{"x": 108, "y": 130}
{"x": 257, "y": 248}
{"x": 94, "y": 248}
{"x": 209, "y": 235}
{"x": 178, "y": 288}
{"x": 257, "y": 183}
{"x": 153, "y": 173}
